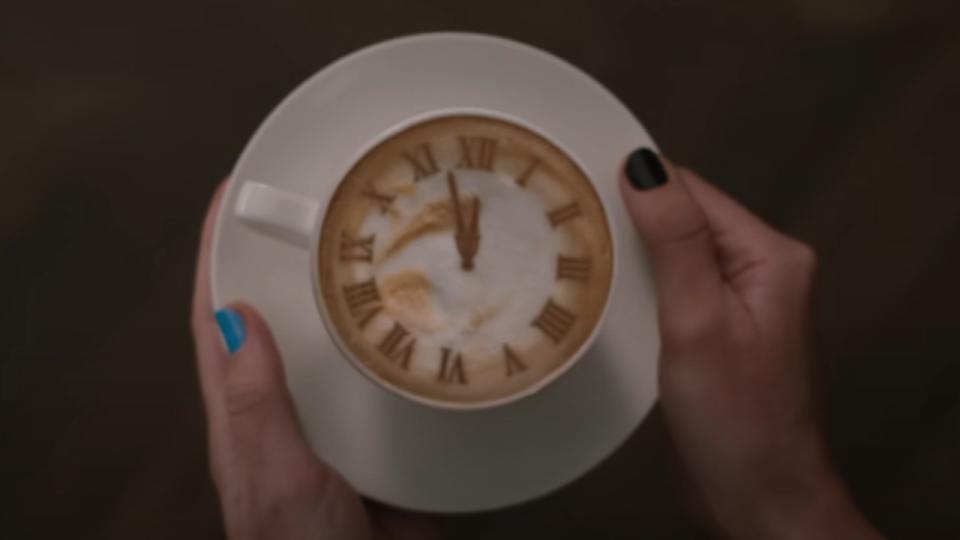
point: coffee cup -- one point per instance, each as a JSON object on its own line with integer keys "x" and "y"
{"x": 464, "y": 260}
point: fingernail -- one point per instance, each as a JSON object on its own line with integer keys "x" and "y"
{"x": 645, "y": 170}
{"x": 232, "y": 329}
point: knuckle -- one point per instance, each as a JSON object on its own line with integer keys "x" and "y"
{"x": 798, "y": 260}
{"x": 693, "y": 328}
{"x": 687, "y": 172}
{"x": 804, "y": 256}
{"x": 681, "y": 228}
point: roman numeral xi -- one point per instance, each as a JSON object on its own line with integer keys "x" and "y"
{"x": 422, "y": 161}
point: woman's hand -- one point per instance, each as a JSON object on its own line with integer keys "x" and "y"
{"x": 735, "y": 367}
{"x": 271, "y": 485}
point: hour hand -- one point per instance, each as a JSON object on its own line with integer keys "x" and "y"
{"x": 466, "y": 238}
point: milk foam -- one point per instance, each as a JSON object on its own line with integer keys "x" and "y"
{"x": 473, "y": 312}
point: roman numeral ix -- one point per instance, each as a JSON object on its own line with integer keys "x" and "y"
{"x": 363, "y": 300}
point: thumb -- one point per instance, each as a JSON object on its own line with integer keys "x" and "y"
{"x": 260, "y": 417}
{"x": 680, "y": 243}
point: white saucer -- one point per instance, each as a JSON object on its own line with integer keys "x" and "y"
{"x": 390, "y": 449}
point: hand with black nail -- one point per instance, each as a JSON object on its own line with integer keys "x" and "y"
{"x": 271, "y": 485}
{"x": 735, "y": 367}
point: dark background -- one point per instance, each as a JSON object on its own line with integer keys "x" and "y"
{"x": 836, "y": 120}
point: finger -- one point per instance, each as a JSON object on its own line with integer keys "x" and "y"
{"x": 755, "y": 258}
{"x": 259, "y": 408}
{"x": 744, "y": 240}
{"x": 679, "y": 241}
{"x": 209, "y": 350}
{"x": 394, "y": 524}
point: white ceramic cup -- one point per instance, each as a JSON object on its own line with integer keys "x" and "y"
{"x": 297, "y": 220}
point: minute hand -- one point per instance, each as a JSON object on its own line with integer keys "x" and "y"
{"x": 467, "y": 240}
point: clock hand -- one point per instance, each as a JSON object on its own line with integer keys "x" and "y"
{"x": 455, "y": 200}
{"x": 467, "y": 240}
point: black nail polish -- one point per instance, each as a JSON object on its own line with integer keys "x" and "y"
{"x": 644, "y": 169}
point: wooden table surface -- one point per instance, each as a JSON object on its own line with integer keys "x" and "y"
{"x": 835, "y": 120}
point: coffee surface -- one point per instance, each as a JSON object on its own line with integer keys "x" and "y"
{"x": 463, "y": 260}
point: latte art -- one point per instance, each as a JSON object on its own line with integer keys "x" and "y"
{"x": 464, "y": 260}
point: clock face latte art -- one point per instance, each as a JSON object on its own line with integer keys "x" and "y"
{"x": 464, "y": 260}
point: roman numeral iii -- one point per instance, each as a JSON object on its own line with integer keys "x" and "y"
{"x": 477, "y": 153}
{"x": 573, "y": 268}
{"x": 451, "y": 368}
{"x": 554, "y": 321}
{"x": 396, "y": 347}
{"x": 363, "y": 301}
{"x": 356, "y": 249}
{"x": 421, "y": 159}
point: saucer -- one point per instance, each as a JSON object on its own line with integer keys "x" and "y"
{"x": 391, "y": 449}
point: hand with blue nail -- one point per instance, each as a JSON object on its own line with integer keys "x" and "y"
{"x": 271, "y": 484}
{"x": 736, "y": 372}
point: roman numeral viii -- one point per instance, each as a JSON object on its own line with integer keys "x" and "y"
{"x": 363, "y": 300}
{"x": 396, "y": 347}
{"x": 451, "y": 368}
{"x": 574, "y": 268}
{"x": 477, "y": 153}
{"x": 421, "y": 159}
{"x": 554, "y": 321}
{"x": 356, "y": 249}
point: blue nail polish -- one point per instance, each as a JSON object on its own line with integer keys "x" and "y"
{"x": 232, "y": 328}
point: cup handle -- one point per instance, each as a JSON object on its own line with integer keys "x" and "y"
{"x": 276, "y": 213}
